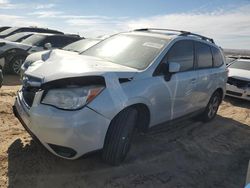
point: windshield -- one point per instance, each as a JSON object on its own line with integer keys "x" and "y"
{"x": 130, "y": 50}
{"x": 245, "y": 65}
{"x": 81, "y": 45}
{"x": 16, "y": 37}
{"x": 8, "y": 31}
{"x": 34, "y": 40}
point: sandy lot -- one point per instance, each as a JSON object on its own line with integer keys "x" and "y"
{"x": 183, "y": 155}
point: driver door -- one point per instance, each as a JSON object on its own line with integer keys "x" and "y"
{"x": 182, "y": 85}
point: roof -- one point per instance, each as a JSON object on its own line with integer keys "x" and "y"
{"x": 170, "y": 33}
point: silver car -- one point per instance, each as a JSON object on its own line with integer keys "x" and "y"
{"x": 129, "y": 81}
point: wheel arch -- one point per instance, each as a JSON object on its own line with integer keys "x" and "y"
{"x": 144, "y": 114}
{"x": 221, "y": 92}
{"x": 11, "y": 53}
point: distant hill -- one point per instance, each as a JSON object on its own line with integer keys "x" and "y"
{"x": 236, "y": 52}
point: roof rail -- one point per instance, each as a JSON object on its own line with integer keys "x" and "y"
{"x": 182, "y": 33}
{"x": 238, "y": 56}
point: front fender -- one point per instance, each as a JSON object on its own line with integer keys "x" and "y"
{"x": 114, "y": 99}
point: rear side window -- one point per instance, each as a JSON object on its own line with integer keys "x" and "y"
{"x": 182, "y": 52}
{"x": 204, "y": 55}
{"x": 60, "y": 41}
{"x": 54, "y": 41}
{"x": 218, "y": 60}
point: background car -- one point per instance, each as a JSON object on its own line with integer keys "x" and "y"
{"x": 238, "y": 84}
{"x": 14, "y": 30}
{"x": 18, "y": 37}
{"x": 4, "y": 28}
{"x": 76, "y": 47}
{"x": 13, "y": 54}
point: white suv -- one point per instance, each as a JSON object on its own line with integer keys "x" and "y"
{"x": 78, "y": 103}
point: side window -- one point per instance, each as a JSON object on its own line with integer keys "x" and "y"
{"x": 204, "y": 55}
{"x": 218, "y": 60}
{"x": 54, "y": 41}
{"x": 182, "y": 52}
{"x": 64, "y": 41}
{"x": 28, "y": 30}
{"x": 44, "y": 41}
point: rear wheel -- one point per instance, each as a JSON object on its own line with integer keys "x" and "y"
{"x": 16, "y": 63}
{"x": 212, "y": 107}
{"x": 119, "y": 135}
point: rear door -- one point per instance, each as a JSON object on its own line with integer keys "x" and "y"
{"x": 206, "y": 73}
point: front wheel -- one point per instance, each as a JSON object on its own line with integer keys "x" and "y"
{"x": 212, "y": 107}
{"x": 16, "y": 63}
{"x": 118, "y": 137}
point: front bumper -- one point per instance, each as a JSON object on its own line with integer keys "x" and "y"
{"x": 240, "y": 93}
{"x": 81, "y": 131}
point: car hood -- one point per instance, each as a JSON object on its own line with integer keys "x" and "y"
{"x": 67, "y": 64}
{"x": 239, "y": 74}
{"x": 38, "y": 55}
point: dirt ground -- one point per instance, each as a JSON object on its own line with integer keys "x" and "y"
{"x": 187, "y": 154}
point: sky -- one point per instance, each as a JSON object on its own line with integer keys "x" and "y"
{"x": 226, "y": 21}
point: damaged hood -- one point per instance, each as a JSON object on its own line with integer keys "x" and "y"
{"x": 239, "y": 74}
{"x": 38, "y": 55}
{"x": 67, "y": 64}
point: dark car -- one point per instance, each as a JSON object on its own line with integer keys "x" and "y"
{"x": 13, "y": 54}
{"x": 14, "y": 30}
{"x": 18, "y": 37}
{"x": 76, "y": 47}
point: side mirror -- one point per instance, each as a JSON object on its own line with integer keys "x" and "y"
{"x": 47, "y": 46}
{"x": 174, "y": 67}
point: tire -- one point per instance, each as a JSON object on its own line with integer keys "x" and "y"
{"x": 212, "y": 107}
{"x": 16, "y": 63}
{"x": 119, "y": 135}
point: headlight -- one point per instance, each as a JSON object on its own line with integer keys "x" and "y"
{"x": 71, "y": 98}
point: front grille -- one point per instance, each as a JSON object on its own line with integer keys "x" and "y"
{"x": 234, "y": 93}
{"x": 29, "y": 95}
{"x": 238, "y": 83}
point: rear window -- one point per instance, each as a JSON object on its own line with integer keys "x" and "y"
{"x": 16, "y": 37}
{"x": 34, "y": 40}
{"x": 204, "y": 55}
{"x": 245, "y": 65}
{"x": 8, "y": 31}
{"x": 218, "y": 60}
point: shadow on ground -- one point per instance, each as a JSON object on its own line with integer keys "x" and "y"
{"x": 187, "y": 154}
{"x": 11, "y": 80}
{"x": 238, "y": 102}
